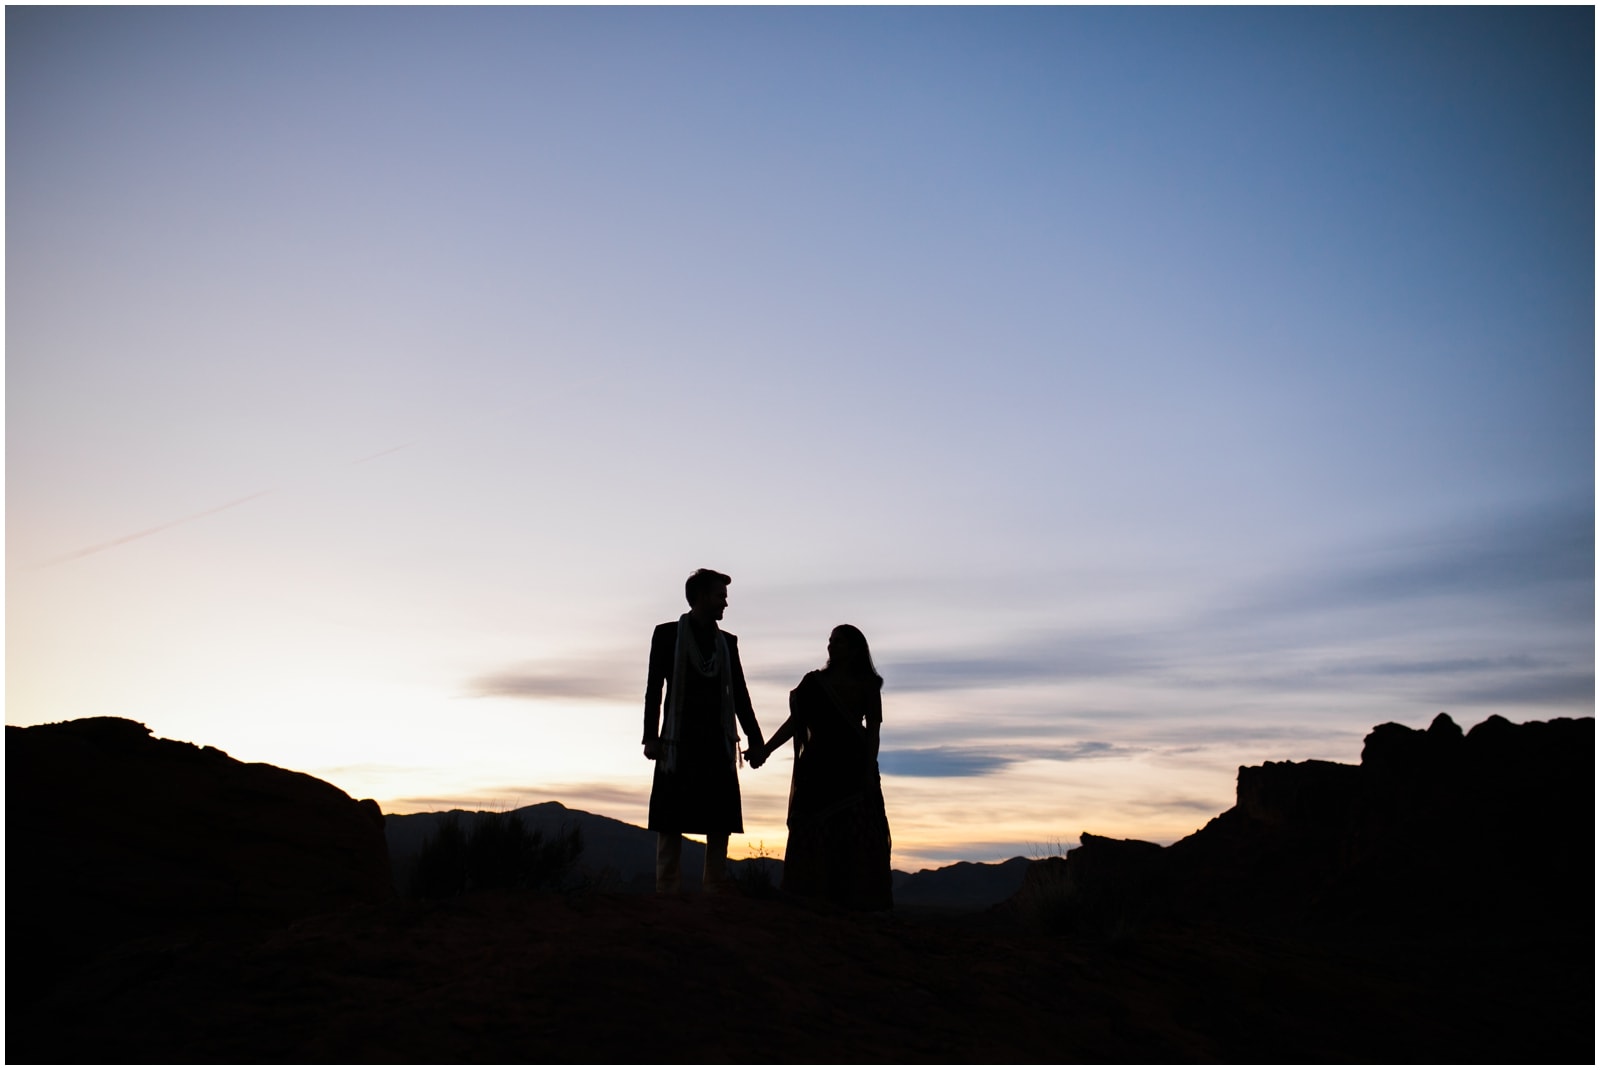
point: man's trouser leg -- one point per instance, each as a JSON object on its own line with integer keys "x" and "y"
{"x": 669, "y": 861}
{"x": 716, "y": 872}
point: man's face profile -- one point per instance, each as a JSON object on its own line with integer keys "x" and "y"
{"x": 714, "y": 601}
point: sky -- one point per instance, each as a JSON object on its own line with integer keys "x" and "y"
{"x": 1161, "y": 390}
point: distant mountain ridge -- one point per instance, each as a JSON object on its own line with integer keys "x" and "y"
{"x": 961, "y": 885}
{"x": 620, "y": 857}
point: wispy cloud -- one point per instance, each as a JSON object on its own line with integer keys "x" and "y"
{"x": 593, "y": 682}
{"x": 1072, "y": 656}
{"x": 941, "y": 762}
{"x": 964, "y": 762}
{"x": 1426, "y": 596}
{"x": 1540, "y": 558}
{"x": 1275, "y": 664}
{"x": 1431, "y": 666}
{"x": 363, "y": 769}
{"x": 1543, "y": 690}
{"x": 1157, "y": 804}
{"x": 987, "y": 851}
{"x": 1446, "y": 678}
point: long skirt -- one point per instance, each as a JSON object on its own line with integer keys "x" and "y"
{"x": 840, "y": 853}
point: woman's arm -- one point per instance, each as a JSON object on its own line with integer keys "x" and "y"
{"x": 874, "y": 722}
{"x": 785, "y": 732}
{"x": 761, "y": 753}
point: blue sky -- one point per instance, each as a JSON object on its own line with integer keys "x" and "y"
{"x": 1161, "y": 390}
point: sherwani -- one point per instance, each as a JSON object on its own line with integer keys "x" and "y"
{"x": 701, "y": 794}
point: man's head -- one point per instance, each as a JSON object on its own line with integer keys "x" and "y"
{"x": 707, "y": 592}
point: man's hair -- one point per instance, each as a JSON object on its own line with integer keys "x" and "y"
{"x": 702, "y": 581}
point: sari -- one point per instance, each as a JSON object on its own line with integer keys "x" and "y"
{"x": 839, "y": 839}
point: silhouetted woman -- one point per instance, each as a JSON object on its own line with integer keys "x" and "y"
{"x": 838, "y": 832}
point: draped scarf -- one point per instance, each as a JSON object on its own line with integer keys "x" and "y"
{"x": 686, "y": 658}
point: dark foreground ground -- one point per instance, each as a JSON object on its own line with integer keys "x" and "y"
{"x": 614, "y": 978}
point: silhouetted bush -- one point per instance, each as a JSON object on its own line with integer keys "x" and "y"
{"x": 1045, "y": 900}
{"x": 499, "y": 852}
{"x": 754, "y": 875}
{"x": 441, "y": 869}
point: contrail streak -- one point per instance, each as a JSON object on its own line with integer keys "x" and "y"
{"x": 99, "y": 546}
{"x": 381, "y": 453}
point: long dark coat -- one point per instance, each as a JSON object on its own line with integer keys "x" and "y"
{"x": 702, "y": 794}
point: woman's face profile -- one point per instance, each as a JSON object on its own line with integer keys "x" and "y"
{"x": 843, "y": 649}
{"x": 834, "y": 645}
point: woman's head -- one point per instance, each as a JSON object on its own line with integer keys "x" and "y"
{"x": 848, "y": 653}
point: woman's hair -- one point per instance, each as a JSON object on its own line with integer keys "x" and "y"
{"x": 851, "y": 654}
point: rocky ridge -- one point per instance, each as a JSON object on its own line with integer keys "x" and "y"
{"x": 1435, "y": 830}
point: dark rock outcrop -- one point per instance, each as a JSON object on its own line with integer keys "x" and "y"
{"x": 113, "y": 834}
{"x": 1435, "y": 831}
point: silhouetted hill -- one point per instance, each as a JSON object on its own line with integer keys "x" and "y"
{"x": 111, "y": 834}
{"x": 961, "y": 886}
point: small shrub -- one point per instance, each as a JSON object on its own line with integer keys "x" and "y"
{"x": 754, "y": 874}
{"x": 1045, "y": 899}
{"x": 554, "y": 860}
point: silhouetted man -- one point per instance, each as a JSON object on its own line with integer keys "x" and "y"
{"x": 696, "y": 749}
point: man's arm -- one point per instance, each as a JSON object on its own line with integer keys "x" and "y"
{"x": 661, "y": 649}
{"x": 741, "y": 696}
